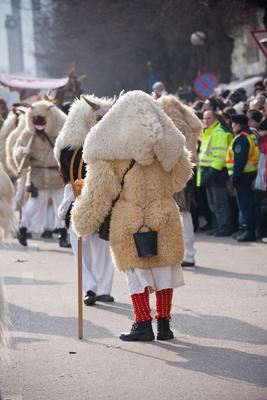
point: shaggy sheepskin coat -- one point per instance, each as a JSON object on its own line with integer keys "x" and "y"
{"x": 137, "y": 129}
{"x": 189, "y": 124}
{"x": 44, "y": 173}
{"x": 8, "y": 126}
{"x": 11, "y": 140}
{"x": 8, "y": 221}
{"x": 8, "y": 227}
{"x": 185, "y": 120}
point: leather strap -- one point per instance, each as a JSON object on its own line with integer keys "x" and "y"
{"x": 122, "y": 182}
{"x": 71, "y": 172}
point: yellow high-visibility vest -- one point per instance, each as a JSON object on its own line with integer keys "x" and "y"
{"x": 253, "y": 155}
{"x": 213, "y": 149}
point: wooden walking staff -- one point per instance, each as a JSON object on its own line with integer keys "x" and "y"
{"x": 77, "y": 188}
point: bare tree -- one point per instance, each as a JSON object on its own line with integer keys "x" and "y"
{"x": 112, "y": 41}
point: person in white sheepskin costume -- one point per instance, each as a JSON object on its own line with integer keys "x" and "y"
{"x": 34, "y": 148}
{"x": 136, "y": 159}
{"x": 97, "y": 264}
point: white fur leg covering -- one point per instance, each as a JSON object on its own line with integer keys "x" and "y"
{"x": 8, "y": 220}
{"x": 4, "y": 337}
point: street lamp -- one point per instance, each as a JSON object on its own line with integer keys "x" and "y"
{"x": 198, "y": 38}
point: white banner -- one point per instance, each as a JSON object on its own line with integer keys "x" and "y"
{"x": 23, "y": 82}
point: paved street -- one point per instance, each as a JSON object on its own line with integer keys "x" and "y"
{"x": 219, "y": 320}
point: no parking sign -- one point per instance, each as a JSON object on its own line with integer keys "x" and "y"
{"x": 204, "y": 84}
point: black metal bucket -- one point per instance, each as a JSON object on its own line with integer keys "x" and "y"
{"x": 146, "y": 243}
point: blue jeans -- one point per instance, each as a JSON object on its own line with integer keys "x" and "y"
{"x": 218, "y": 202}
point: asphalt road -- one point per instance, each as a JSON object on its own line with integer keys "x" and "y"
{"x": 219, "y": 321}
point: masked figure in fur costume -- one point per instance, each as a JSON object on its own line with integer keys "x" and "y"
{"x": 13, "y": 136}
{"x": 137, "y": 140}
{"x": 97, "y": 263}
{"x": 34, "y": 149}
{"x": 24, "y": 207}
{"x": 9, "y": 125}
{"x": 188, "y": 123}
{"x": 21, "y": 178}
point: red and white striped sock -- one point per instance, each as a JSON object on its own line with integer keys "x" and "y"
{"x": 141, "y": 307}
{"x": 164, "y": 303}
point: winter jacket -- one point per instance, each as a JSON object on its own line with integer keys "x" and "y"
{"x": 212, "y": 155}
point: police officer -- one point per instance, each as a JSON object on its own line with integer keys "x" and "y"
{"x": 242, "y": 160}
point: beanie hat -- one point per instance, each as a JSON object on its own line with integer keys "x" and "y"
{"x": 241, "y": 119}
{"x": 263, "y": 125}
{"x": 256, "y": 115}
{"x": 260, "y": 99}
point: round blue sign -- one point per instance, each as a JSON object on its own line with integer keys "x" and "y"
{"x": 205, "y": 84}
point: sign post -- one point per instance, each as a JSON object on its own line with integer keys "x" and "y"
{"x": 204, "y": 84}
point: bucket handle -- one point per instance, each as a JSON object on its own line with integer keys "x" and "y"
{"x": 142, "y": 226}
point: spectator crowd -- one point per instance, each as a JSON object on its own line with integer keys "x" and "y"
{"x": 231, "y": 182}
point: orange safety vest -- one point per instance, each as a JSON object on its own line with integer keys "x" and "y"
{"x": 253, "y": 157}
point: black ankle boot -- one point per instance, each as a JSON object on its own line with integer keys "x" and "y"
{"x": 47, "y": 234}
{"x": 164, "y": 332}
{"x": 63, "y": 241}
{"x": 22, "y": 236}
{"x": 89, "y": 298}
{"x": 141, "y": 331}
{"x": 247, "y": 236}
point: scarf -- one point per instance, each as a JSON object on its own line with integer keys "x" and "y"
{"x": 263, "y": 150}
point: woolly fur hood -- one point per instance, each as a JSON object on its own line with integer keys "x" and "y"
{"x": 80, "y": 120}
{"x": 135, "y": 128}
{"x": 184, "y": 119}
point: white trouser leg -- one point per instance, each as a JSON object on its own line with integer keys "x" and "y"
{"x": 57, "y": 197}
{"x": 25, "y": 215}
{"x": 50, "y": 218}
{"x": 189, "y": 237}
{"x": 37, "y": 210}
{"x": 89, "y": 278}
{"x": 102, "y": 264}
{"x": 20, "y": 189}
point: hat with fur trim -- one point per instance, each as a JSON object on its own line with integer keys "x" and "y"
{"x": 135, "y": 128}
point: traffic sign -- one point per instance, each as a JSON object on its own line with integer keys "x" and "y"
{"x": 260, "y": 37}
{"x": 204, "y": 84}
